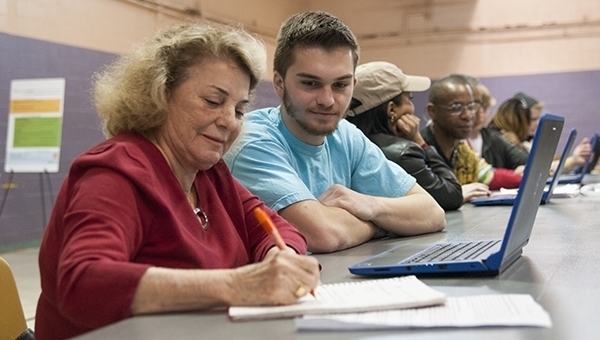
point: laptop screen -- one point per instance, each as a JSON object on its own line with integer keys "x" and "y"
{"x": 531, "y": 190}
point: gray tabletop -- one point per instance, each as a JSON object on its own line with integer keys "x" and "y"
{"x": 560, "y": 268}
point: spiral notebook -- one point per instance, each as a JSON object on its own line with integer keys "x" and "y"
{"x": 350, "y": 297}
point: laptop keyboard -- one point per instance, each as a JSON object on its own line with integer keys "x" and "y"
{"x": 455, "y": 251}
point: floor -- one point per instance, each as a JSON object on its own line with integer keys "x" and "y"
{"x": 24, "y": 265}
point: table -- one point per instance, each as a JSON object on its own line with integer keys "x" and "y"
{"x": 560, "y": 268}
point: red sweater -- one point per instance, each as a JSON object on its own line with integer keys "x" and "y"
{"x": 121, "y": 210}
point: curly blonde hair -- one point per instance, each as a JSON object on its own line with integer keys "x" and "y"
{"x": 132, "y": 94}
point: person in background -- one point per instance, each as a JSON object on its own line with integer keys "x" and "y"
{"x": 514, "y": 121}
{"x": 489, "y": 144}
{"x": 517, "y": 119}
{"x": 151, "y": 219}
{"x": 312, "y": 166}
{"x": 382, "y": 109}
{"x": 453, "y": 104}
{"x": 536, "y": 108}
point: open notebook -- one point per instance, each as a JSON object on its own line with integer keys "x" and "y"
{"x": 509, "y": 198}
{"x": 488, "y": 257}
{"x": 350, "y": 297}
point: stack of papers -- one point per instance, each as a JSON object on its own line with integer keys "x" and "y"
{"x": 468, "y": 311}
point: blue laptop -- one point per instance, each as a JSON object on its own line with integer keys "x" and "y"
{"x": 509, "y": 198}
{"x": 591, "y": 161}
{"x": 481, "y": 257}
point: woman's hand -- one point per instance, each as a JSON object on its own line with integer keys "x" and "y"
{"x": 280, "y": 279}
{"x": 407, "y": 126}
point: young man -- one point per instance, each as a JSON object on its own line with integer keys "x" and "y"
{"x": 316, "y": 169}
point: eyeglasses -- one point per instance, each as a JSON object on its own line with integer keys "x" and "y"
{"x": 457, "y": 108}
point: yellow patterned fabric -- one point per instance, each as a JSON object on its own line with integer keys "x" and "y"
{"x": 485, "y": 173}
{"x": 469, "y": 168}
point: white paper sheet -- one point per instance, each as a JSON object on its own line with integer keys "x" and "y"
{"x": 467, "y": 311}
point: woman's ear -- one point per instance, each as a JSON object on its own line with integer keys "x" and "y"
{"x": 391, "y": 110}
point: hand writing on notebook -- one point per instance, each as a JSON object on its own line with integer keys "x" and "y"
{"x": 305, "y": 282}
{"x": 275, "y": 280}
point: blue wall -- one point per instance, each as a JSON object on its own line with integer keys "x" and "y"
{"x": 572, "y": 94}
{"x": 22, "y": 219}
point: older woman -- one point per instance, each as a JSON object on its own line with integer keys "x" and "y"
{"x": 151, "y": 219}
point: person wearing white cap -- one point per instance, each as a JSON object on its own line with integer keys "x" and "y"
{"x": 382, "y": 109}
{"x": 312, "y": 166}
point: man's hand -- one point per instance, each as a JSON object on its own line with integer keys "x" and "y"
{"x": 473, "y": 190}
{"x": 355, "y": 203}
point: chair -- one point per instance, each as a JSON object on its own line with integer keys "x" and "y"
{"x": 12, "y": 319}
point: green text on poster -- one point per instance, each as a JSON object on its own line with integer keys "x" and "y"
{"x": 37, "y": 132}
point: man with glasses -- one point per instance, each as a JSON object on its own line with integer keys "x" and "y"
{"x": 453, "y": 104}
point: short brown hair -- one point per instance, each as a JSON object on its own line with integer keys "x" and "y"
{"x": 311, "y": 29}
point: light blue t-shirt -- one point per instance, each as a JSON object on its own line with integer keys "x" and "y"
{"x": 282, "y": 170}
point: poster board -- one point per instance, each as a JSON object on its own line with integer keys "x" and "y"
{"x": 35, "y": 117}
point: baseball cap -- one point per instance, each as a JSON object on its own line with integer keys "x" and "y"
{"x": 380, "y": 81}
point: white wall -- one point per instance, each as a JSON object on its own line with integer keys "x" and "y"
{"x": 481, "y": 38}
{"x": 429, "y": 37}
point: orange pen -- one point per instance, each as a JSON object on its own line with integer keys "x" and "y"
{"x": 269, "y": 227}
{"x": 264, "y": 219}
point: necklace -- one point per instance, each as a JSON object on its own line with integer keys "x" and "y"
{"x": 202, "y": 217}
{"x": 195, "y": 202}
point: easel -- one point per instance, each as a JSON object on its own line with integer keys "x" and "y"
{"x": 9, "y": 185}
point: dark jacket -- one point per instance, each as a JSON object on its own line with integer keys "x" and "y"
{"x": 503, "y": 178}
{"x": 426, "y": 166}
{"x": 499, "y": 152}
